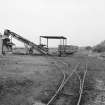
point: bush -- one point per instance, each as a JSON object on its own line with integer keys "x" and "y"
{"x": 88, "y": 47}
{"x": 99, "y": 48}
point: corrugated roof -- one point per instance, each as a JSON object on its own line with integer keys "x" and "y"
{"x": 54, "y": 37}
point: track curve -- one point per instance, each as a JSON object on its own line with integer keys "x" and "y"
{"x": 66, "y": 78}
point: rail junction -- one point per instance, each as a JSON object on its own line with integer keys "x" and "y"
{"x": 67, "y": 75}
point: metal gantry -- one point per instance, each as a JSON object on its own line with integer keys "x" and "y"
{"x": 63, "y": 42}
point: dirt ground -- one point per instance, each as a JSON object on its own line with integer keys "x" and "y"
{"x": 25, "y": 80}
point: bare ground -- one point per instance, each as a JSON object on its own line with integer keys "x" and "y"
{"x": 25, "y": 80}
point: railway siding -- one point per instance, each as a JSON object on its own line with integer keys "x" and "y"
{"x": 65, "y": 90}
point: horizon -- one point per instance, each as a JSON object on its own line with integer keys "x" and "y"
{"x": 81, "y": 21}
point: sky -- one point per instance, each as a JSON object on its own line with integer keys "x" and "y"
{"x": 81, "y": 21}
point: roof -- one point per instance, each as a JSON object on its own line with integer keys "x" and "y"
{"x": 54, "y": 37}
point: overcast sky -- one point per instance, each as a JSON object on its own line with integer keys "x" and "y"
{"x": 82, "y": 21}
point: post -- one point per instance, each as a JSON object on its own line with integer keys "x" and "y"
{"x": 65, "y": 41}
{"x": 47, "y": 42}
{"x": 40, "y": 40}
{"x": 60, "y": 42}
{"x": 47, "y": 45}
{"x": 0, "y": 44}
{"x": 60, "y": 48}
{"x": 26, "y": 48}
{"x": 63, "y": 46}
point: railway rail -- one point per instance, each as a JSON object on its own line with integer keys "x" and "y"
{"x": 66, "y": 78}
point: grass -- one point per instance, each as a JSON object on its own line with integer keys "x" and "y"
{"x": 40, "y": 86}
{"x": 18, "y": 88}
{"x": 96, "y": 70}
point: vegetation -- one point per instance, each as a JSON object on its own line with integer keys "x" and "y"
{"x": 100, "y": 47}
{"x": 88, "y": 48}
{"x": 41, "y": 86}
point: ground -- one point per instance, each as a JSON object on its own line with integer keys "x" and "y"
{"x": 25, "y": 80}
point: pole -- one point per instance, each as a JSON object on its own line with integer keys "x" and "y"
{"x": 40, "y": 40}
{"x": 0, "y": 44}
{"x": 47, "y": 45}
{"x": 63, "y": 46}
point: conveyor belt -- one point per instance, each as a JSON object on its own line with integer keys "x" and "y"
{"x": 26, "y": 41}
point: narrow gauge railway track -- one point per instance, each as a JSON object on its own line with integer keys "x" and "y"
{"x": 66, "y": 78}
